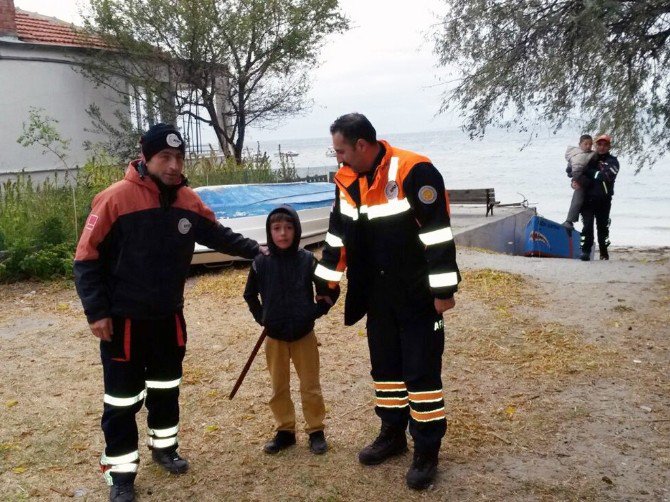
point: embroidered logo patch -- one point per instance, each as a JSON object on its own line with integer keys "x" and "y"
{"x": 427, "y": 194}
{"x": 391, "y": 190}
{"x": 173, "y": 140}
{"x": 438, "y": 325}
{"x": 184, "y": 226}
{"x": 90, "y": 222}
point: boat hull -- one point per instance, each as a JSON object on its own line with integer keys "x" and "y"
{"x": 546, "y": 238}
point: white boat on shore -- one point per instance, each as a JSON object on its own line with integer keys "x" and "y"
{"x": 244, "y": 208}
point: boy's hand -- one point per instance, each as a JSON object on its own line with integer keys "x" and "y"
{"x": 264, "y": 250}
{"x": 575, "y": 185}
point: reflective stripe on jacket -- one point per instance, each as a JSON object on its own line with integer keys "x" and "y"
{"x": 398, "y": 225}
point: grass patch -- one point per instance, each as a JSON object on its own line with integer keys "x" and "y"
{"x": 501, "y": 290}
{"x": 226, "y": 284}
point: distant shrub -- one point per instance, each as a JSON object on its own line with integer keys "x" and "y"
{"x": 40, "y": 223}
{"x": 51, "y": 231}
{"x": 48, "y": 262}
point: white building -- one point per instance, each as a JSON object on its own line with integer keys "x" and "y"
{"x": 38, "y": 69}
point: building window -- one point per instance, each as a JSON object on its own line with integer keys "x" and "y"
{"x": 143, "y": 109}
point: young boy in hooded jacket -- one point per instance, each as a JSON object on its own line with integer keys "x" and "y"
{"x": 287, "y": 311}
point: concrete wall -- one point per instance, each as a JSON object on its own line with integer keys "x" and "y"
{"x": 504, "y": 234}
{"x": 41, "y": 76}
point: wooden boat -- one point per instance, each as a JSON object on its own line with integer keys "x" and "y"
{"x": 244, "y": 208}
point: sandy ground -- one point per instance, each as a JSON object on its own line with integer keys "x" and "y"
{"x": 556, "y": 379}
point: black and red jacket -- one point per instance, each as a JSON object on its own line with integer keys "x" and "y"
{"x": 136, "y": 248}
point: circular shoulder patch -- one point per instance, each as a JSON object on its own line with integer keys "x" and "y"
{"x": 391, "y": 190}
{"x": 427, "y": 194}
{"x": 184, "y": 226}
{"x": 173, "y": 140}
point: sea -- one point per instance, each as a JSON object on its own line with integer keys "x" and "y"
{"x": 520, "y": 168}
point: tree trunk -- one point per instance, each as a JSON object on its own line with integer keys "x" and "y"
{"x": 239, "y": 144}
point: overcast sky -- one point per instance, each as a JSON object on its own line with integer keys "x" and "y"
{"x": 383, "y": 67}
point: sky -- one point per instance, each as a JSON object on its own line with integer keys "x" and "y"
{"x": 383, "y": 67}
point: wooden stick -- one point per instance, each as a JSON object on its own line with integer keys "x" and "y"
{"x": 240, "y": 379}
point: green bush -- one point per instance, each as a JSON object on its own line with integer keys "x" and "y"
{"x": 51, "y": 231}
{"x": 40, "y": 223}
{"x": 48, "y": 262}
{"x": 213, "y": 170}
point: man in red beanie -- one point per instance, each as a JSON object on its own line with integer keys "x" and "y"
{"x": 602, "y": 171}
{"x": 130, "y": 268}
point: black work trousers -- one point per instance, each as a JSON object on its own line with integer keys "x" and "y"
{"x": 597, "y": 211}
{"x": 141, "y": 364}
{"x": 406, "y": 342}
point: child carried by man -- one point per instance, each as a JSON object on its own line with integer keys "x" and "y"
{"x": 578, "y": 158}
{"x": 287, "y": 311}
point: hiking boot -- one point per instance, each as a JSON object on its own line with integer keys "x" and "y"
{"x": 423, "y": 471}
{"x": 123, "y": 489}
{"x": 585, "y": 256}
{"x": 568, "y": 224}
{"x": 317, "y": 443}
{"x": 390, "y": 442}
{"x": 169, "y": 459}
{"x": 281, "y": 441}
{"x": 604, "y": 255}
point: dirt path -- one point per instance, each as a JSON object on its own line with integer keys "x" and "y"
{"x": 556, "y": 378}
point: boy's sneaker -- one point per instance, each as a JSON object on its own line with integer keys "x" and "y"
{"x": 568, "y": 224}
{"x": 169, "y": 459}
{"x": 423, "y": 471}
{"x": 585, "y": 256}
{"x": 281, "y": 441}
{"x": 604, "y": 255}
{"x": 317, "y": 443}
{"x": 123, "y": 489}
{"x": 390, "y": 442}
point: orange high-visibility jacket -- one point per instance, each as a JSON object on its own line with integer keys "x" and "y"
{"x": 398, "y": 226}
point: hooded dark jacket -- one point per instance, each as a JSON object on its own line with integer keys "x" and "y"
{"x": 284, "y": 281}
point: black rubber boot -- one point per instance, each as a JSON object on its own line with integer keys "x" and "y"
{"x": 317, "y": 443}
{"x": 123, "y": 489}
{"x": 390, "y": 442}
{"x": 169, "y": 459}
{"x": 423, "y": 471}
{"x": 281, "y": 441}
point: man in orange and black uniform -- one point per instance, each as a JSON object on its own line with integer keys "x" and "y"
{"x": 389, "y": 228}
{"x": 130, "y": 269}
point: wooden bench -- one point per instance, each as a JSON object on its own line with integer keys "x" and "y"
{"x": 486, "y": 196}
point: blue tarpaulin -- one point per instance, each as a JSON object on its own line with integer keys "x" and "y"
{"x": 235, "y": 201}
